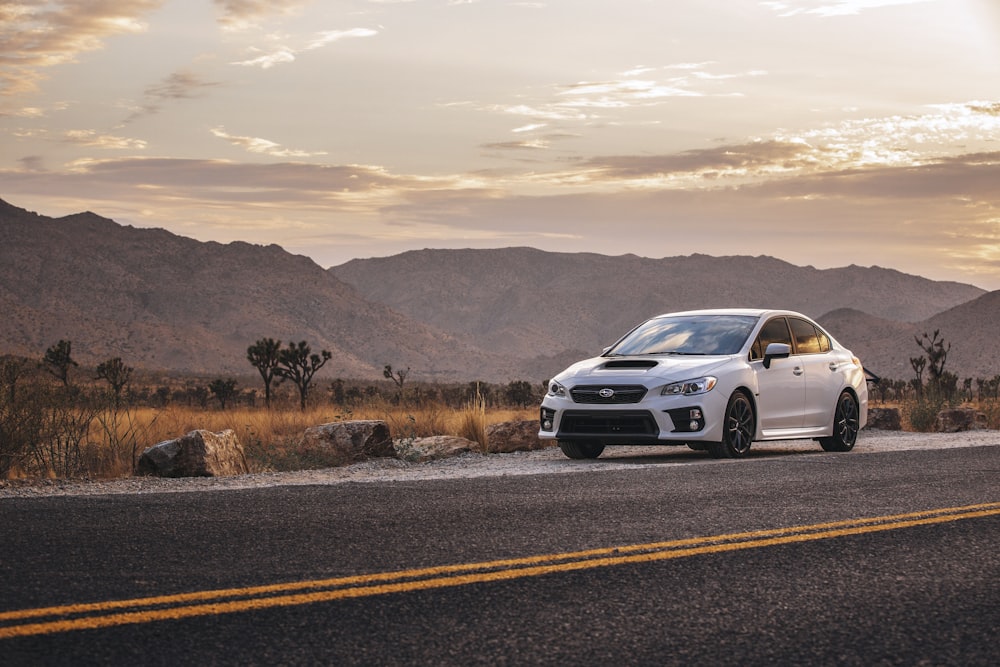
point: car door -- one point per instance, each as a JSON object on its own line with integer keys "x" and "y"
{"x": 819, "y": 365}
{"x": 781, "y": 397}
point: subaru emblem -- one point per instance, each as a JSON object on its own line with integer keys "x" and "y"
{"x": 606, "y": 393}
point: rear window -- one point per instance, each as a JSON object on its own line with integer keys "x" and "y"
{"x": 808, "y": 338}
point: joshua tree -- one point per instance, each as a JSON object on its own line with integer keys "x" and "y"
{"x": 918, "y": 364}
{"x": 224, "y": 390}
{"x": 296, "y": 363}
{"x": 117, "y": 375}
{"x": 264, "y": 356}
{"x": 397, "y": 377}
{"x": 937, "y": 355}
{"x": 57, "y": 360}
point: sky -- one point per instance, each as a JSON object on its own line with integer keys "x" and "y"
{"x": 823, "y": 132}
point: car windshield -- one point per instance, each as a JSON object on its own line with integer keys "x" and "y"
{"x": 687, "y": 334}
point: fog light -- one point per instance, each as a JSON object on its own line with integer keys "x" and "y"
{"x": 695, "y": 413}
{"x": 547, "y": 416}
{"x": 693, "y": 426}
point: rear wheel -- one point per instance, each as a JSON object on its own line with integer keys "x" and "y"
{"x": 846, "y": 424}
{"x": 581, "y": 450}
{"x": 738, "y": 429}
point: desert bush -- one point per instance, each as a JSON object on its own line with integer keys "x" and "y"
{"x": 922, "y": 412}
{"x": 21, "y": 415}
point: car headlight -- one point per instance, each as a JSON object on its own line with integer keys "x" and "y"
{"x": 556, "y": 389}
{"x": 690, "y": 387}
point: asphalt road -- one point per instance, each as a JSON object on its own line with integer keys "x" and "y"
{"x": 853, "y": 559}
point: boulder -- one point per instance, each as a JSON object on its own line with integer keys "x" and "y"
{"x": 884, "y": 419}
{"x": 954, "y": 420}
{"x": 338, "y": 443}
{"x": 515, "y": 436}
{"x": 197, "y": 454}
{"x": 420, "y": 450}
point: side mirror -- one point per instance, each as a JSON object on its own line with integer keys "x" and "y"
{"x": 776, "y": 351}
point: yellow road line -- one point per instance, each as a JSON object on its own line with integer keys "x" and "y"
{"x": 231, "y": 600}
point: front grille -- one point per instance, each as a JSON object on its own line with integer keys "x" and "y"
{"x": 608, "y": 423}
{"x": 619, "y": 393}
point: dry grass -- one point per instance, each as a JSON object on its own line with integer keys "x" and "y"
{"x": 272, "y": 437}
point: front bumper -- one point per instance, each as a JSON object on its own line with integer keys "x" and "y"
{"x": 655, "y": 421}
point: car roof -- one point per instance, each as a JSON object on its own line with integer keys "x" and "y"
{"x": 750, "y": 312}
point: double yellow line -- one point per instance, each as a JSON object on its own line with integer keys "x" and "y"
{"x": 65, "y": 618}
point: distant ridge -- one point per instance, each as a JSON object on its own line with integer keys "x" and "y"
{"x": 163, "y": 301}
{"x": 514, "y": 299}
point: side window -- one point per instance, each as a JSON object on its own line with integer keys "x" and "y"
{"x": 775, "y": 331}
{"x": 806, "y": 339}
{"x": 824, "y": 341}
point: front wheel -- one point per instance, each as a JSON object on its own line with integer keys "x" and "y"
{"x": 581, "y": 450}
{"x": 737, "y": 431}
{"x": 846, "y": 421}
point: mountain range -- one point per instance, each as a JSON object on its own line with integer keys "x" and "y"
{"x": 163, "y": 301}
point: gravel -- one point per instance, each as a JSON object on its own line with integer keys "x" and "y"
{"x": 544, "y": 461}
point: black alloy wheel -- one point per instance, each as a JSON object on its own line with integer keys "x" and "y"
{"x": 846, "y": 424}
{"x": 738, "y": 429}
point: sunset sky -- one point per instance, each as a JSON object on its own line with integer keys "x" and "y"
{"x": 822, "y": 132}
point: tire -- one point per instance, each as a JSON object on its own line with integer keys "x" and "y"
{"x": 738, "y": 429}
{"x": 581, "y": 450}
{"x": 846, "y": 419}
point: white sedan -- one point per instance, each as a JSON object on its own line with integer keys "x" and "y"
{"x": 711, "y": 379}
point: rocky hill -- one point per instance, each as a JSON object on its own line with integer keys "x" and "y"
{"x": 162, "y": 301}
{"x": 886, "y": 346}
{"x": 520, "y": 299}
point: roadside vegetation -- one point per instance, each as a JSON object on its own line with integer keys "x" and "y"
{"x": 934, "y": 388}
{"x": 61, "y": 420}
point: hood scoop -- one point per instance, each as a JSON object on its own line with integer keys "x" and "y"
{"x": 631, "y": 363}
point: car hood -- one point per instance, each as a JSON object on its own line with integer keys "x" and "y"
{"x": 647, "y": 369}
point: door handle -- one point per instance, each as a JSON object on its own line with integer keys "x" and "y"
{"x": 797, "y": 370}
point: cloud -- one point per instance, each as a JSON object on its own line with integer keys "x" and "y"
{"x": 743, "y": 158}
{"x": 222, "y": 178}
{"x": 38, "y": 36}
{"x": 331, "y": 36}
{"x": 263, "y": 146}
{"x": 94, "y": 139}
{"x": 280, "y": 54}
{"x": 588, "y": 100}
{"x": 32, "y": 163}
{"x": 88, "y": 138}
{"x": 694, "y": 81}
{"x": 529, "y": 128}
{"x": 827, "y": 8}
{"x": 533, "y": 144}
{"x": 268, "y": 60}
{"x": 969, "y": 178}
{"x": 238, "y": 15}
{"x": 180, "y": 85}
{"x": 852, "y": 146}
